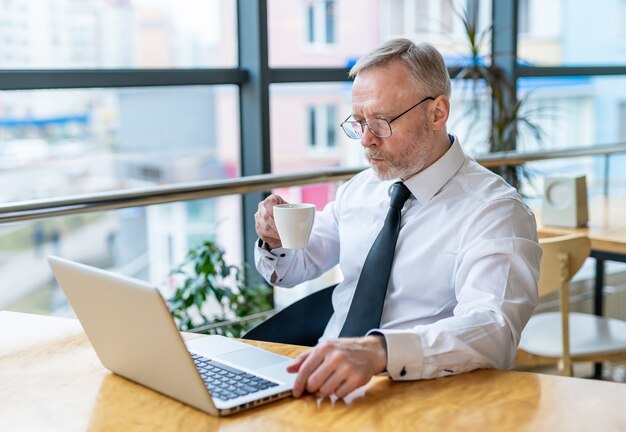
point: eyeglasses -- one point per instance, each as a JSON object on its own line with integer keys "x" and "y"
{"x": 379, "y": 127}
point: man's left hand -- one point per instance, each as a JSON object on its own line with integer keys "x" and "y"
{"x": 339, "y": 366}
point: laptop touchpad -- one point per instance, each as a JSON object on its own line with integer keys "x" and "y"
{"x": 252, "y": 358}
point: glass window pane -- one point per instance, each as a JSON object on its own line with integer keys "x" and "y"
{"x": 60, "y": 34}
{"x": 68, "y": 142}
{"x": 571, "y": 111}
{"x": 146, "y": 243}
{"x": 576, "y": 112}
{"x": 324, "y": 33}
{"x": 470, "y": 115}
{"x": 305, "y": 132}
{"x": 304, "y": 117}
{"x": 556, "y": 32}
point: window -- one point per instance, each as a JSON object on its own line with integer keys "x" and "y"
{"x": 325, "y": 33}
{"x": 312, "y": 112}
{"x": 422, "y": 16}
{"x": 330, "y": 21}
{"x": 523, "y": 16}
{"x": 621, "y": 18}
{"x": 395, "y": 17}
{"x": 322, "y": 126}
{"x": 321, "y": 33}
{"x": 310, "y": 21}
{"x": 66, "y": 142}
{"x": 320, "y": 21}
{"x": 140, "y": 242}
{"x": 82, "y": 141}
{"x": 447, "y": 16}
{"x": 563, "y": 107}
{"x": 304, "y": 128}
{"x": 437, "y": 22}
{"x": 622, "y": 122}
{"x": 67, "y": 34}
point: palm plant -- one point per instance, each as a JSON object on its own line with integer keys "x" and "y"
{"x": 509, "y": 115}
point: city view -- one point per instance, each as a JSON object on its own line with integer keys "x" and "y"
{"x": 66, "y": 142}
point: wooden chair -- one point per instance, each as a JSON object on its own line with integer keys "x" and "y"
{"x": 301, "y": 323}
{"x": 564, "y": 337}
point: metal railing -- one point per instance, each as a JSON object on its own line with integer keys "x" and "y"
{"x": 36, "y": 209}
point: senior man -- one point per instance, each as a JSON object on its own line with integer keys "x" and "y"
{"x": 439, "y": 255}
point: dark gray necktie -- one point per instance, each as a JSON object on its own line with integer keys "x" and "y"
{"x": 369, "y": 295}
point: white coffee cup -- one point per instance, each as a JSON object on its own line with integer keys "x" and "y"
{"x": 294, "y": 223}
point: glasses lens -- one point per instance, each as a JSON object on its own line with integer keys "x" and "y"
{"x": 352, "y": 129}
{"x": 379, "y": 127}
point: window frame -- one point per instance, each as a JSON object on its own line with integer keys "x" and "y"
{"x": 254, "y": 76}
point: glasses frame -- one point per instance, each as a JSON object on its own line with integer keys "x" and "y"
{"x": 362, "y": 124}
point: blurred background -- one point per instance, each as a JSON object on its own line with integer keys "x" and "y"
{"x": 111, "y": 95}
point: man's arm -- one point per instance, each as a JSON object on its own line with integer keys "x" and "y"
{"x": 288, "y": 267}
{"x": 496, "y": 289}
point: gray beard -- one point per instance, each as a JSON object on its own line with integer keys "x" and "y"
{"x": 402, "y": 172}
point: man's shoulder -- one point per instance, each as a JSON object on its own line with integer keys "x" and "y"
{"x": 484, "y": 183}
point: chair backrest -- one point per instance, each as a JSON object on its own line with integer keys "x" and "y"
{"x": 562, "y": 258}
{"x": 300, "y": 323}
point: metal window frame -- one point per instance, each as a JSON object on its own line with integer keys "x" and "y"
{"x": 253, "y": 76}
{"x": 105, "y": 78}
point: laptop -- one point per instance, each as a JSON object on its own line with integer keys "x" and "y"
{"x": 130, "y": 327}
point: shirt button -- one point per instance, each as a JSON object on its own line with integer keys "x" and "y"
{"x": 282, "y": 255}
{"x": 403, "y": 371}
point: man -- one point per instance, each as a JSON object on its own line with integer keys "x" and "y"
{"x": 463, "y": 282}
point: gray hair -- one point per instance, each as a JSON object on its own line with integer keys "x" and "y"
{"x": 423, "y": 60}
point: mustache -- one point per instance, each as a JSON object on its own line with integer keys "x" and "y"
{"x": 375, "y": 155}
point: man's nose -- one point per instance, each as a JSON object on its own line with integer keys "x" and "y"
{"x": 368, "y": 139}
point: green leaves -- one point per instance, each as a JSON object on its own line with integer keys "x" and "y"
{"x": 487, "y": 81}
{"x": 211, "y": 291}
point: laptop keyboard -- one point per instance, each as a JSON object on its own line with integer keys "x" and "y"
{"x": 225, "y": 382}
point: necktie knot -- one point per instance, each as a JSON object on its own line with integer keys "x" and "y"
{"x": 399, "y": 194}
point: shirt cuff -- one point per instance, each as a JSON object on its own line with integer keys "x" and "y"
{"x": 268, "y": 262}
{"x": 405, "y": 360}
{"x": 267, "y": 251}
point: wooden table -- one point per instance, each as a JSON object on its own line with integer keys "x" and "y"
{"x": 51, "y": 379}
{"x": 606, "y": 230}
{"x": 606, "y": 227}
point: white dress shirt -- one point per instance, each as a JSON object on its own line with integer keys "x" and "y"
{"x": 464, "y": 277}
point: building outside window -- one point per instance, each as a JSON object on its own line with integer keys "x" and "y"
{"x": 322, "y": 126}
{"x": 66, "y": 142}
{"x": 62, "y": 142}
{"x": 320, "y": 22}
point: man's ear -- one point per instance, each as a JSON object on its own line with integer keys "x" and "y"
{"x": 440, "y": 110}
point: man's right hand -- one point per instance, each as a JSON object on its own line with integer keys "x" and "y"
{"x": 264, "y": 220}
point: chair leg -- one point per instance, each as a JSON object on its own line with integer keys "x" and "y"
{"x": 565, "y": 369}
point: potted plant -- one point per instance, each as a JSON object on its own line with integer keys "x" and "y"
{"x": 206, "y": 283}
{"x": 509, "y": 115}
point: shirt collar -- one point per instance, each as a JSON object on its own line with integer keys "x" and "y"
{"x": 425, "y": 184}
